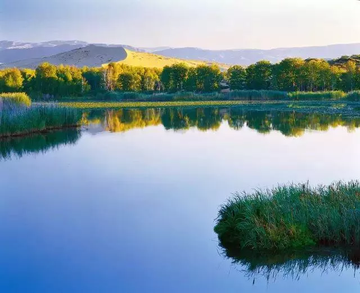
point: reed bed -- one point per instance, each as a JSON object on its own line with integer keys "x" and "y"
{"x": 19, "y": 121}
{"x": 291, "y": 217}
{"x": 16, "y": 98}
{"x": 314, "y": 96}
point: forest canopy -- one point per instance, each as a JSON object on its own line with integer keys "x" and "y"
{"x": 290, "y": 75}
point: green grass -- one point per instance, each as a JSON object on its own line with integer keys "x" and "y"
{"x": 333, "y": 95}
{"x": 16, "y": 98}
{"x": 19, "y": 121}
{"x": 291, "y": 217}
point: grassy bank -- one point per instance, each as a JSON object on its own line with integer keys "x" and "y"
{"x": 19, "y": 121}
{"x": 291, "y": 217}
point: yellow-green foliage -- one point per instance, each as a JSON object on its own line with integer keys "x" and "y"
{"x": 16, "y": 98}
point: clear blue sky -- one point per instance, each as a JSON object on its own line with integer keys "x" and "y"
{"x": 214, "y": 24}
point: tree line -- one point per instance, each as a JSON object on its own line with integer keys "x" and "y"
{"x": 291, "y": 74}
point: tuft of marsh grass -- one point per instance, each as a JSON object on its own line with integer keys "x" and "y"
{"x": 20, "y": 121}
{"x": 16, "y": 98}
{"x": 291, "y": 217}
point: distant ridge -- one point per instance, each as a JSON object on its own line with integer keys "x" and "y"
{"x": 250, "y": 56}
{"x": 12, "y": 52}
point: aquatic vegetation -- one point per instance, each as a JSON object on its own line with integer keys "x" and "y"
{"x": 20, "y": 121}
{"x": 292, "y": 217}
{"x": 16, "y": 98}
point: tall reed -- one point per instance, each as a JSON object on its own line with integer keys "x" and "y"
{"x": 16, "y": 98}
{"x": 293, "y": 216}
{"x": 20, "y": 121}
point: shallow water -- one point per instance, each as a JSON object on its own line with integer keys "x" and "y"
{"x": 127, "y": 205}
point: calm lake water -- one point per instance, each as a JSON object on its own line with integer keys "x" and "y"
{"x": 128, "y": 204}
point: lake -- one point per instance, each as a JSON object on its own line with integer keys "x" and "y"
{"x": 129, "y": 202}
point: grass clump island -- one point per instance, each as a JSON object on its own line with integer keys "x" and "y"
{"x": 18, "y": 117}
{"x": 291, "y": 217}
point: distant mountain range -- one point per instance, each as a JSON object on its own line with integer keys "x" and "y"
{"x": 31, "y": 53}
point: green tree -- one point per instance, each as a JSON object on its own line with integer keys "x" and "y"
{"x": 237, "y": 77}
{"x": 208, "y": 78}
{"x": 191, "y": 80}
{"x": 349, "y": 76}
{"x": 130, "y": 81}
{"x": 165, "y": 78}
{"x": 178, "y": 76}
{"x": 288, "y": 74}
{"x": 94, "y": 78}
{"x": 259, "y": 76}
{"x": 46, "y": 80}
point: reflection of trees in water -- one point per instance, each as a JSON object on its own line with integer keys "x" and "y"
{"x": 37, "y": 143}
{"x": 124, "y": 120}
{"x": 210, "y": 118}
{"x": 294, "y": 264}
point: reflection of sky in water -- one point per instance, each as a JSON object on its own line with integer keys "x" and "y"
{"x": 134, "y": 211}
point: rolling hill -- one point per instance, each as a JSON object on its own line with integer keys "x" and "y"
{"x": 96, "y": 56}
